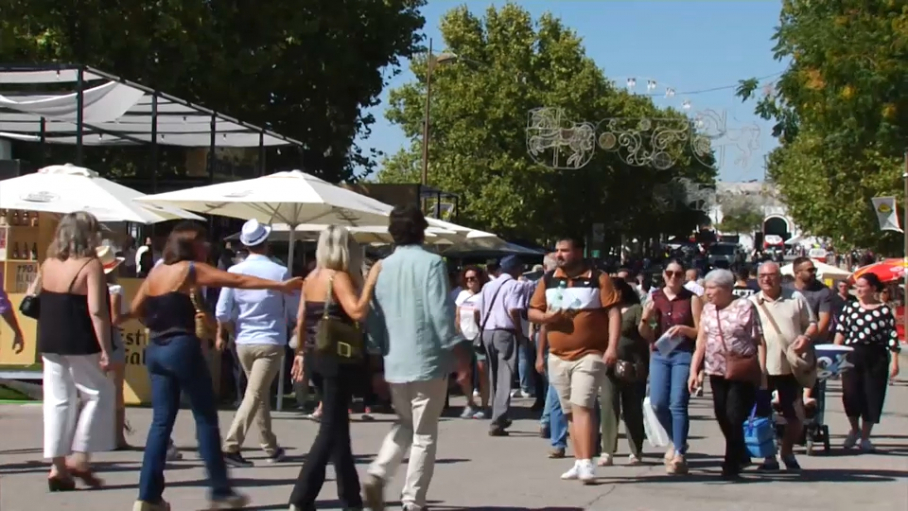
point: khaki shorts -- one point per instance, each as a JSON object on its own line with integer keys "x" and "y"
{"x": 577, "y": 381}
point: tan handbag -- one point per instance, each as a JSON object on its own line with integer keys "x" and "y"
{"x": 803, "y": 366}
{"x": 202, "y": 328}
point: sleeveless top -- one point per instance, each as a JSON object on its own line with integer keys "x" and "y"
{"x": 64, "y": 323}
{"x": 324, "y": 364}
{"x": 170, "y": 314}
{"x": 676, "y": 312}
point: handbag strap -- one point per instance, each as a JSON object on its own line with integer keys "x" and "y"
{"x": 76, "y": 276}
{"x": 751, "y": 418}
{"x": 719, "y": 329}
{"x": 772, "y": 320}
{"x": 485, "y": 320}
{"x": 329, "y": 296}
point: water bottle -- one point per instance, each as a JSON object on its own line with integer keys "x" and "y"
{"x": 558, "y": 301}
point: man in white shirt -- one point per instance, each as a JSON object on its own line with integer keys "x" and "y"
{"x": 788, "y": 323}
{"x": 260, "y": 320}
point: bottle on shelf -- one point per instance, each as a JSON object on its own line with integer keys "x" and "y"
{"x": 15, "y": 219}
{"x": 34, "y": 219}
{"x": 16, "y": 250}
{"x": 3, "y": 217}
{"x": 34, "y": 254}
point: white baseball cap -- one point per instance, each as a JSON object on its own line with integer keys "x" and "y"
{"x": 254, "y": 233}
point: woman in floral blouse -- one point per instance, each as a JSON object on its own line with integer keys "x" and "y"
{"x": 868, "y": 326}
{"x": 727, "y": 325}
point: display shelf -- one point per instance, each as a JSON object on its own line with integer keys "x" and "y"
{"x": 24, "y": 237}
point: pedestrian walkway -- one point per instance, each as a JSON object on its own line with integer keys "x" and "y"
{"x": 478, "y": 472}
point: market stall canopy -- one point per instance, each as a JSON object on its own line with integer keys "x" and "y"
{"x": 115, "y": 112}
{"x": 824, "y": 271}
{"x": 68, "y": 188}
{"x": 291, "y": 197}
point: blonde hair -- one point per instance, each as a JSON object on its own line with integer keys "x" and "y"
{"x": 77, "y": 236}
{"x": 337, "y": 250}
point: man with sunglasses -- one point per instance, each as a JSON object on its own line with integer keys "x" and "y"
{"x": 818, "y": 295}
{"x": 820, "y": 298}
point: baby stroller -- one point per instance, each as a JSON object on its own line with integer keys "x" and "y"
{"x": 831, "y": 362}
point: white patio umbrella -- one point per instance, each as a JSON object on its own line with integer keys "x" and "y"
{"x": 374, "y": 234}
{"x": 471, "y": 239}
{"x": 824, "y": 271}
{"x": 66, "y": 189}
{"x": 293, "y": 198}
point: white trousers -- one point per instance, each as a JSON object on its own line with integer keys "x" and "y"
{"x": 418, "y": 406}
{"x": 71, "y": 381}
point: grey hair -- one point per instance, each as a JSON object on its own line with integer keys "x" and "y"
{"x": 720, "y": 278}
{"x": 77, "y": 236}
{"x": 549, "y": 263}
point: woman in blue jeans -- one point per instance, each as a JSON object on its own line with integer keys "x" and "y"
{"x": 167, "y": 304}
{"x": 675, "y": 311}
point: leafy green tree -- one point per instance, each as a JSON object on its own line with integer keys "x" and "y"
{"x": 508, "y": 65}
{"x": 740, "y": 214}
{"x": 841, "y": 113}
{"x": 305, "y": 69}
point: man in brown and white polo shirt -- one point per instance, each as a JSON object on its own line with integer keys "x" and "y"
{"x": 578, "y": 306}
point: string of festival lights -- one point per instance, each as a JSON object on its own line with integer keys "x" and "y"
{"x": 655, "y": 88}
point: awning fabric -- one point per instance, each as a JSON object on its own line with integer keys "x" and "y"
{"x": 114, "y": 114}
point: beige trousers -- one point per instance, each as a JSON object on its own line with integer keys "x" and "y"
{"x": 418, "y": 405}
{"x": 261, "y": 363}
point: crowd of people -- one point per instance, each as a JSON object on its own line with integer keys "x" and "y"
{"x": 588, "y": 344}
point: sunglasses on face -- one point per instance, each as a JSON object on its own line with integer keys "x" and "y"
{"x": 470, "y": 279}
{"x": 810, "y": 270}
{"x": 671, "y": 274}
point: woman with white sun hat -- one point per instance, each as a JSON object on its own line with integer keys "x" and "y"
{"x": 118, "y": 308}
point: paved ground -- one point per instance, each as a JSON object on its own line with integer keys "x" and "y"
{"x": 498, "y": 474}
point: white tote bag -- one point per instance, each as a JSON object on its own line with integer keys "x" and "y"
{"x": 655, "y": 433}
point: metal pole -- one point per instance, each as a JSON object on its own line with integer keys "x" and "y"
{"x": 80, "y": 104}
{"x": 262, "y": 152}
{"x": 43, "y": 141}
{"x": 905, "y": 260}
{"x": 425, "y": 123}
{"x": 213, "y": 131}
{"x": 154, "y": 143}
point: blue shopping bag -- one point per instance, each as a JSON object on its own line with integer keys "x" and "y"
{"x": 759, "y": 435}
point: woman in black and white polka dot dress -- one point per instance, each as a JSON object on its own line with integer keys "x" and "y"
{"x": 868, "y": 326}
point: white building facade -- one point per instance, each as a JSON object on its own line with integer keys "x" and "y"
{"x": 775, "y": 213}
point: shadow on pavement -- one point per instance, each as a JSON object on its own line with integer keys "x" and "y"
{"x": 844, "y": 475}
{"x": 101, "y": 467}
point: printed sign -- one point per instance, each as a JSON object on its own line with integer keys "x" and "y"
{"x": 25, "y": 275}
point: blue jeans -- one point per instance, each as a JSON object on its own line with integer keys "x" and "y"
{"x": 526, "y": 366}
{"x": 558, "y": 424}
{"x": 178, "y": 364}
{"x": 669, "y": 395}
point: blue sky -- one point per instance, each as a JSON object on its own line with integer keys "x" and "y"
{"x": 685, "y": 45}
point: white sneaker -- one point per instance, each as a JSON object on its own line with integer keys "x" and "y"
{"x": 476, "y": 393}
{"x": 867, "y": 446}
{"x": 173, "y": 454}
{"x": 851, "y": 440}
{"x": 633, "y": 460}
{"x": 605, "y": 460}
{"x": 586, "y": 472}
{"x": 516, "y": 394}
{"x": 573, "y": 473}
{"x": 468, "y": 412}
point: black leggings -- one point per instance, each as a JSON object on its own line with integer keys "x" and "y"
{"x": 332, "y": 443}
{"x": 864, "y": 385}
{"x": 732, "y": 402}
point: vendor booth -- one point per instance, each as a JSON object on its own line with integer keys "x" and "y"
{"x": 32, "y": 205}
